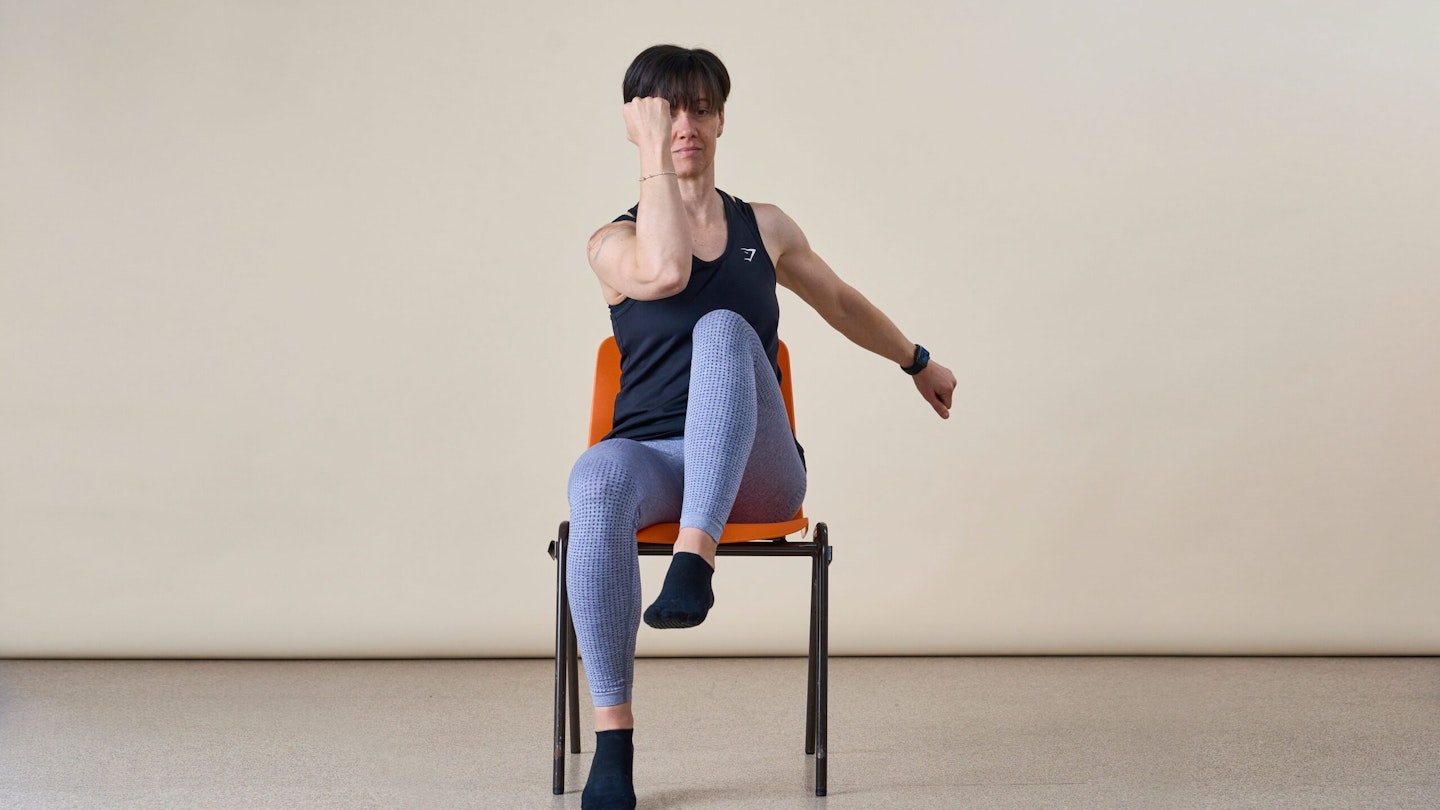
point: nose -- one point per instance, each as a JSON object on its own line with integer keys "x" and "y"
{"x": 683, "y": 124}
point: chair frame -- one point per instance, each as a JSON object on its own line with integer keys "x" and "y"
{"x": 818, "y": 549}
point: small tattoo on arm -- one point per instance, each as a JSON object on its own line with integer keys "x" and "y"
{"x": 596, "y": 254}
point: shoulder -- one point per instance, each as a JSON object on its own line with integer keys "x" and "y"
{"x": 625, "y": 223}
{"x": 606, "y": 232}
{"x": 620, "y": 222}
{"x": 778, "y": 228}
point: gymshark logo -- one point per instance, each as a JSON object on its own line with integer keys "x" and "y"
{"x": 749, "y": 253}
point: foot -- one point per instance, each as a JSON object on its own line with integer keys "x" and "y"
{"x": 685, "y": 598}
{"x": 611, "y": 785}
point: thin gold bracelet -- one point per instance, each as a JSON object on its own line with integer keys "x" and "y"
{"x": 656, "y": 174}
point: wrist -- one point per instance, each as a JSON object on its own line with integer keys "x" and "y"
{"x": 918, "y": 362}
{"x": 653, "y": 161}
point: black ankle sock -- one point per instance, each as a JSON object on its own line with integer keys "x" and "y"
{"x": 685, "y": 598}
{"x": 611, "y": 785}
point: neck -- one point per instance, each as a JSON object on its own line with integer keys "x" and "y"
{"x": 698, "y": 194}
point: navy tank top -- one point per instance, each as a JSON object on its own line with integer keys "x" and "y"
{"x": 654, "y": 336}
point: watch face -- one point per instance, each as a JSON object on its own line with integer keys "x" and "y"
{"x": 922, "y": 358}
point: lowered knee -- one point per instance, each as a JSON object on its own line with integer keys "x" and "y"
{"x": 601, "y": 484}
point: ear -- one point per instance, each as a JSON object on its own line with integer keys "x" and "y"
{"x": 721, "y": 130}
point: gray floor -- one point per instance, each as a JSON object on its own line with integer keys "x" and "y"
{"x": 917, "y": 732}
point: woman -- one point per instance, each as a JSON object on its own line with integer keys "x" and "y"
{"x": 700, "y": 433}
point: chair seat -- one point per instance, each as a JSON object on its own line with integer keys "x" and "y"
{"x": 666, "y": 533}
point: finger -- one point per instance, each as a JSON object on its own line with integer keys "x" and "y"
{"x": 941, "y": 408}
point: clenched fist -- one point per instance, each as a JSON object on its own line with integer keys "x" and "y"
{"x": 647, "y": 121}
{"x": 937, "y": 385}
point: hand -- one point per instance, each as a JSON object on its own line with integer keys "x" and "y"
{"x": 937, "y": 385}
{"x": 647, "y": 122}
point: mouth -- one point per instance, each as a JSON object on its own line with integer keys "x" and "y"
{"x": 687, "y": 150}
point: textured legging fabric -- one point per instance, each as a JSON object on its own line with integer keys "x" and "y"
{"x": 737, "y": 461}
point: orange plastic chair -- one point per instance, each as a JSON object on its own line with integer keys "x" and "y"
{"x": 738, "y": 539}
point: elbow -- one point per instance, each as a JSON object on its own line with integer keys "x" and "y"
{"x": 672, "y": 283}
{"x": 665, "y": 280}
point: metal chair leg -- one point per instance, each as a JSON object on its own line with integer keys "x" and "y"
{"x": 562, "y": 650}
{"x": 822, "y": 536}
{"x": 573, "y": 680}
{"x": 814, "y": 652}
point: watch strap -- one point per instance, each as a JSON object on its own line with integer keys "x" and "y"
{"x": 922, "y": 359}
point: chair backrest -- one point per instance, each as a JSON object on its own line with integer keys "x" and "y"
{"x": 607, "y": 385}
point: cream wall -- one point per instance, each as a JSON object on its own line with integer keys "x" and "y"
{"x": 296, "y": 327}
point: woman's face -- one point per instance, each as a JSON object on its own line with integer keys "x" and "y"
{"x": 693, "y": 133}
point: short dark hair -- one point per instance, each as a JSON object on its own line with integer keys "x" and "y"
{"x": 682, "y": 76}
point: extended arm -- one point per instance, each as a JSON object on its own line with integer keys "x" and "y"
{"x": 800, "y": 269}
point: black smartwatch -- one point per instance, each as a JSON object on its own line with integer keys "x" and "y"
{"x": 922, "y": 359}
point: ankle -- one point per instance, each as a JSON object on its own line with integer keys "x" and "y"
{"x": 614, "y": 718}
{"x": 698, "y": 543}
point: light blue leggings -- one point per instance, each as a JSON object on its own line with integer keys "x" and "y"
{"x": 737, "y": 461}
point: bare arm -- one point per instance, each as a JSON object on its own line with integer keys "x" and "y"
{"x": 649, "y": 258}
{"x": 800, "y": 269}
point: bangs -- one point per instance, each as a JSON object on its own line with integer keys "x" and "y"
{"x": 686, "y": 78}
{"x": 688, "y": 90}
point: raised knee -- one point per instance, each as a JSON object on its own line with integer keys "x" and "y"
{"x": 721, "y": 324}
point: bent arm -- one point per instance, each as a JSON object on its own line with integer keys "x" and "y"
{"x": 649, "y": 258}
